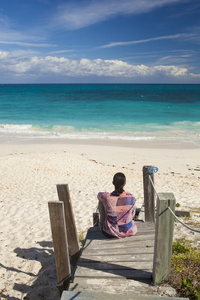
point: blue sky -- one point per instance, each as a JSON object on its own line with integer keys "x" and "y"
{"x": 100, "y": 41}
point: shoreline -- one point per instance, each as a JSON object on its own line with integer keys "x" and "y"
{"x": 152, "y": 144}
{"x": 167, "y": 156}
{"x": 170, "y": 157}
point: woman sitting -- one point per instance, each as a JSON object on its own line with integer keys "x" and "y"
{"x": 119, "y": 210}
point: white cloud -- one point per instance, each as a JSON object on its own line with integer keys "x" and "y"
{"x": 165, "y": 37}
{"x": 60, "y": 51}
{"x": 174, "y": 59}
{"x": 27, "y": 67}
{"x": 85, "y": 13}
{"x": 26, "y": 44}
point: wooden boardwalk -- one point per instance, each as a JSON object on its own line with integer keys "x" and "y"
{"x": 112, "y": 259}
{"x": 113, "y": 268}
{"x": 71, "y": 295}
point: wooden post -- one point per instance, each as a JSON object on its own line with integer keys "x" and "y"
{"x": 163, "y": 237}
{"x": 58, "y": 229}
{"x": 149, "y": 195}
{"x": 72, "y": 236}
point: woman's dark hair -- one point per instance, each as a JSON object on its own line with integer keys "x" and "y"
{"x": 119, "y": 181}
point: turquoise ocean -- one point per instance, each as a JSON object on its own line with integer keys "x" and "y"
{"x": 111, "y": 111}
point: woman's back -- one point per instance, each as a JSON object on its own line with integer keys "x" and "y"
{"x": 119, "y": 212}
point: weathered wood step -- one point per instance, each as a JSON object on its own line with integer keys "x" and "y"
{"x": 129, "y": 258}
{"x": 69, "y": 295}
{"x": 115, "y": 246}
{"x": 96, "y": 232}
{"x": 120, "y": 257}
{"x": 117, "y": 286}
{"x": 115, "y": 265}
{"x": 111, "y": 285}
{"x": 127, "y": 273}
{"x": 98, "y": 265}
{"x": 98, "y": 237}
{"x": 117, "y": 251}
{"x": 144, "y": 240}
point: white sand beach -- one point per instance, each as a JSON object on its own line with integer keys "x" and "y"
{"x": 29, "y": 172}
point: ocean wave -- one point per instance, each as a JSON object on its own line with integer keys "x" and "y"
{"x": 177, "y": 131}
{"x": 187, "y": 125}
{"x": 21, "y": 129}
{"x": 14, "y": 127}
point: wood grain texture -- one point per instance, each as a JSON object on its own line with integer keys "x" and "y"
{"x": 163, "y": 237}
{"x": 72, "y": 236}
{"x": 58, "y": 228}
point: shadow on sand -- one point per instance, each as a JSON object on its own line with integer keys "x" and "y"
{"x": 44, "y": 283}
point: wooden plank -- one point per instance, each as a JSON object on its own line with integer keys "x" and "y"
{"x": 72, "y": 236}
{"x": 128, "y": 247}
{"x": 121, "y": 258}
{"x": 99, "y": 236}
{"x": 114, "y": 246}
{"x": 116, "y": 286}
{"x": 109, "y": 285}
{"x": 79, "y": 295}
{"x": 97, "y": 265}
{"x": 127, "y": 273}
{"x": 118, "y": 251}
{"x": 59, "y": 235}
{"x": 163, "y": 237}
{"x": 146, "y": 232}
{"x": 182, "y": 213}
{"x": 98, "y": 233}
{"x": 132, "y": 239}
{"x": 120, "y": 283}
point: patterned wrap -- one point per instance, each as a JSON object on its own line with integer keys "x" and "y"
{"x": 119, "y": 212}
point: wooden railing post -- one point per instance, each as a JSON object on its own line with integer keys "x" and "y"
{"x": 149, "y": 195}
{"x": 58, "y": 229}
{"x": 72, "y": 236}
{"x": 163, "y": 237}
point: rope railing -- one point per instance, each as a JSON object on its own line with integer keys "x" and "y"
{"x": 188, "y": 227}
